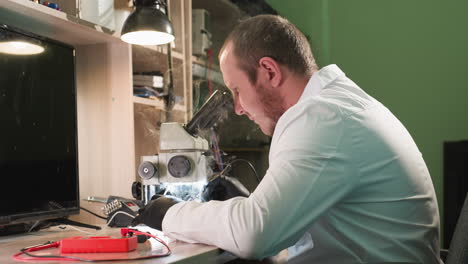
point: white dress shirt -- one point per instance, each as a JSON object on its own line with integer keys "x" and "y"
{"x": 346, "y": 184}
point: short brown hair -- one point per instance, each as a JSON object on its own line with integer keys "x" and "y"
{"x": 270, "y": 36}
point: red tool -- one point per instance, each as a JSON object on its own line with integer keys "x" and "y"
{"x": 98, "y": 244}
{"x": 126, "y": 243}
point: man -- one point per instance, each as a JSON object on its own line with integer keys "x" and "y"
{"x": 346, "y": 182}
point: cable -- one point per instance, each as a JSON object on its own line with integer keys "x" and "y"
{"x": 119, "y": 212}
{"x": 34, "y": 226}
{"x": 77, "y": 229}
{"x": 40, "y": 224}
{"x": 230, "y": 165}
{"x": 250, "y": 165}
{"x": 86, "y": 210}
{"x": 217, "y": 152}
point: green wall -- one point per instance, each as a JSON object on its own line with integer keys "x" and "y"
{"x": 410, "y": 55}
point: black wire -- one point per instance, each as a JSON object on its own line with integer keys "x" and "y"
{"x": 55, "y": 256}
{"x": 84, "y": 209}
{"x": 250, "y": 165}
{"x": 24, "y": 251}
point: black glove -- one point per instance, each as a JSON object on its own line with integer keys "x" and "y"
{"x": 153, "y": 213}
{"x": 224, "y": 188}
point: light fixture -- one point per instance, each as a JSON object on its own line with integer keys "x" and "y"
{"x": 148, "y": 24}
{"x": 18, "y": 44}
{"x": 20, "y": 48}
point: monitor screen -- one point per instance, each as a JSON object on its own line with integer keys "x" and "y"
{"x": 38, "y": 135}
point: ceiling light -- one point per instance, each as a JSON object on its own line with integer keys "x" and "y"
{"x": 20, "y": 48}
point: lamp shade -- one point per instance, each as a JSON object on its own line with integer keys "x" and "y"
{"x": 147, "y": 25}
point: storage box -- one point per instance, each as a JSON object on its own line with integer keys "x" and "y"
{"x": 99, "y": 12}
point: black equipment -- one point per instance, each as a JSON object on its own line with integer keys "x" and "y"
{"x": 455, "y": 184}
{"x": 38, "y": 135}
{"x": 216, "y": 108}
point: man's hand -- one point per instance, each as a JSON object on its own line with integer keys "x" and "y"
{"x": 153, "y": 213}
{"x": 223, "y": 188}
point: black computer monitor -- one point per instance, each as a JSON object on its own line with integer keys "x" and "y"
{"x": 38, "y": 132}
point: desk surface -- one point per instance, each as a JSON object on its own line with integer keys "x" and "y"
{"x": 181, "y": 252}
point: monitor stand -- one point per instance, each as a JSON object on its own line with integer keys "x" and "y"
{"x": 14, "y": 229}
{"x": 66, "y": 221}
{"x": 28, "y": 227}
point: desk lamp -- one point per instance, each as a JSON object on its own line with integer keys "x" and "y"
{"x": 148, "y": 24}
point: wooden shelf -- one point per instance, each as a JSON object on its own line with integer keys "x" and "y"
{"x": 162, "y": 49}
{"x": 153, "y": 58}
{"x": 54, "y": 24}
{"x": 66, "y": 28}
{"x": 202, "y": 61}
{"x": 157, "y": 103}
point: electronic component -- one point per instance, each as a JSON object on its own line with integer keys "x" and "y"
{"x": 201, "y": 36}
{"x": 98, "y": 244}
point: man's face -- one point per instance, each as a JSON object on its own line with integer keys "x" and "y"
{"x": 256, "y": 101}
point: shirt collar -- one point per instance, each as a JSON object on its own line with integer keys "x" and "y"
{"x": 320, "y": 80}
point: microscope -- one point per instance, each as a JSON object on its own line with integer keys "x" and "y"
{"x": 183, "y": 165}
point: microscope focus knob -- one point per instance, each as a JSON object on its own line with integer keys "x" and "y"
{"x": 147, "y": 170}
{"x": 179, "y": 166}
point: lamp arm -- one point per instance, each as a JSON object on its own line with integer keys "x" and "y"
{"x": 170, "y": 100}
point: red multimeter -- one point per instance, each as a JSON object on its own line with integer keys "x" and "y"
{"x": 98, "y": 244}
{"x": 102, "y": 244}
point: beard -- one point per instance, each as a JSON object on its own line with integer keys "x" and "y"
{"x": 272, "y": 105}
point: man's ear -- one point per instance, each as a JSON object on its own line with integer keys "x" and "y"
{"x": 270, "y": 70}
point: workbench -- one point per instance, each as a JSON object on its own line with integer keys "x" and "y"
{"x": 181, "y": 252}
